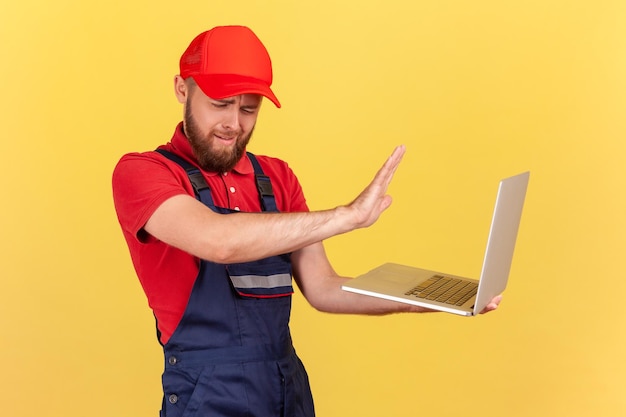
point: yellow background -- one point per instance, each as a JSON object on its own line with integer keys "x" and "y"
{"x": 477, "y": 90}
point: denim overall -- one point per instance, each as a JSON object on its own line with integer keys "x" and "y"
{"x": 231, "y": 354}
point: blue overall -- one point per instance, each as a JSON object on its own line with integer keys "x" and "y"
{"x": 231, "y": 354}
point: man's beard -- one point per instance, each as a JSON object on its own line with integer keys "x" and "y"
{"x": 211, "y": 158}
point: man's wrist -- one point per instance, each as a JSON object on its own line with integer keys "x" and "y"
{"x": 342, "y": 217}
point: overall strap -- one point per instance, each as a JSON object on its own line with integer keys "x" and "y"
{"x": 264, "y": 185}
{"x": 199, "y": 184}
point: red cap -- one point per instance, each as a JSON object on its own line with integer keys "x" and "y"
{"x": 228, "y": 61}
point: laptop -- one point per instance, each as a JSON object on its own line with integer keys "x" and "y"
{"x": 454, "y": 294}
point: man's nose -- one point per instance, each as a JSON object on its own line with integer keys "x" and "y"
{"x": 231, "y": 118}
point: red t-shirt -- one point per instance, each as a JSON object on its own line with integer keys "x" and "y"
{"x": 143, "y": 181}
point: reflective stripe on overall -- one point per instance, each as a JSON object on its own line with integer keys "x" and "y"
{"x": 231, "y": 354}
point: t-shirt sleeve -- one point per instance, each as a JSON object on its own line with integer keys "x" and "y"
{"x": 141, "y": 183}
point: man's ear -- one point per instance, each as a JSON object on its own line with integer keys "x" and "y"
{"x": 181, "y": 89}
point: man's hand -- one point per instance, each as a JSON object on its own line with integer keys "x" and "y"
{"x": 493, "y": 304}
{"x": 370, "y": 204}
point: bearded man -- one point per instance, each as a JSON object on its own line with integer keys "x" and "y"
{"x": 217, "y": 235}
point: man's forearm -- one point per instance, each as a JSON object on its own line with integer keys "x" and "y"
{"x": 250, "y": 236}
{"x": 187, "y": 224}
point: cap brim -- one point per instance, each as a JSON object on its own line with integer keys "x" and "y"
{"x": 223, "y": 86}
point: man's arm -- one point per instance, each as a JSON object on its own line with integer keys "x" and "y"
{"x": 321, "y": 286}
{"x": 185, "y": 223}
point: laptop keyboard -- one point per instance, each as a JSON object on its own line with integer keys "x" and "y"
{"x": 445, "y": 290}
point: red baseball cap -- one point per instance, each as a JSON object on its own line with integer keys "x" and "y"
{"x": 228, "y": 61}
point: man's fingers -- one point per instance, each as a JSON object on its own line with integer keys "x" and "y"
{"x": 493, "y": 304}
{"x": 396, "y": 157}
{"x": 386, "y": 172}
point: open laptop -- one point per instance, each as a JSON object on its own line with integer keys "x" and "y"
{"x": 450, "y": 293}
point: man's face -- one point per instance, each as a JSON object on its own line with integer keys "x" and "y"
{"x": 219, "y": 130}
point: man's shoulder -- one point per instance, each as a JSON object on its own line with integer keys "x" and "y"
{"x": 272, "y": 162}
{"x": 267, "y": 158}
{"x": 147, "y": 169}
{"x": 140, "y": 156}
{"x": 145, "y": 160}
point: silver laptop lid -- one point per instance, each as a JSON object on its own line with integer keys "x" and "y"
{"x": 502, "y": 236}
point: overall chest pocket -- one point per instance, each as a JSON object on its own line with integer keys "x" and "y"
{"x": 267, "y": 278}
